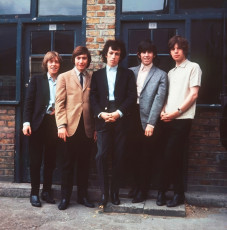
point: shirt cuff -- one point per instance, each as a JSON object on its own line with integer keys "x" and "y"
{"x": 61, "y": 126}
{"x": 150, "y": 126}
{"x": 99, "y": 115}
{"x": 26, "y": 124}
{"x": 120, "y": 113}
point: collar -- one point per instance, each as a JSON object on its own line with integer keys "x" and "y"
{"x": 78, "y": 72}
{"x": 183, "y": 64}
{"x": 145, "y": 68}
{"x": 108, "y": 68}
{"x": 50, "y": 78}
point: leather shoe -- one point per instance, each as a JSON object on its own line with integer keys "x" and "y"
{"x": 34, "y": 200}
{"x": 46, "y": 196}
{"x": 161, "y": 199}
{"x": 115, "y": 198}
{"x": 103, "y": 200}
{"x": 63, "y": 204}
{"x": 177, "y": 200}
{"x": 85, "y": 202}
{"x": 140, "y": 197}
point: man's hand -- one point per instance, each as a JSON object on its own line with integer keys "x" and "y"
{"x": 62, "y": 133}
{"x": 149, "y": 131}
{"x": 27, "y": 131}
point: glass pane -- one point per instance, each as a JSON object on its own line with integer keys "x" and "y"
{"x": 145, "y": 5}
{"x": 67, "y": 64}
{"x": 40, "y": 42}
{"x": 192, "y": 4}
{"x": 36, "y": 66}
{"x": 15, "y": 7}
{"x": 161, "y": 38}
{"x": 64, "y": 42}
{"x": 8, "y": 34}
{"x": 207, "y": 51}
{"x": 56, "y": 7}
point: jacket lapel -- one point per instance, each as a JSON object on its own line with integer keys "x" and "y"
{"x": 136, "y": 71}
{"x": 149, "y": 76}
{"x": 75, "y": 78}
{"x": 45, "y": 87}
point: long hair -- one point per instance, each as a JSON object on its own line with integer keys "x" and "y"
{"x": 48, "y": 56}
{"x": 181, "y": 42}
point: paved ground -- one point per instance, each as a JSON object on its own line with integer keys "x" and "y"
{"x": 18, "y": 214}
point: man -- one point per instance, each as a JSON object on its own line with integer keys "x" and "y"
{"x": 151, "y": 92}
{"x": 113, "y": 94}
{"x": 40, "y": 125}
{"x": 75, "y": 126}
{"x": 176, "y": 119}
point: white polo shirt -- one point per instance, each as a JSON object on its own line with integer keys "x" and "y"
{"x": 181, "y": 79}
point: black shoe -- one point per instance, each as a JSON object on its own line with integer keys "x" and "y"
{"x": 132, "y": 192}
{"x": 161, "y": 199}
{"x": 115, "y": 198}
{"x": 46, "y": 196}
{"x": 85, "y": 202}
{"x": 177, "y": 200}
{"x": 34, "y": 200}
{"x": 103, "y": 200}
{"x": 140, "y": 197}
{"x": 63, "y": 204}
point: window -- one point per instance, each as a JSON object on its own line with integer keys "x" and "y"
{"x": 15, "y": 7}
{"x": 145, "y": 6}
{"x": 56, "y": 7}
{"x": 207, "y": 51}
{"x": 192, "y": 4}
{"x": 8, "y": 62}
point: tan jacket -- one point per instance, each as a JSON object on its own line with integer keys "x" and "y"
{"x": 72, "y": 101}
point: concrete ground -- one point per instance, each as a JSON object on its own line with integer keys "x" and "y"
{"x": 18, "y": 214}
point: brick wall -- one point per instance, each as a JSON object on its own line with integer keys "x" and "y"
{"x": 7, "y": 142}
{"x": 100, "y": 27}
{"x": 207, "y": 159}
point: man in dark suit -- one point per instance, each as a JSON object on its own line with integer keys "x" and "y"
{"x": 113, "y": 94}
{"x": 40, "y": 125}
{"x": 151, "y": 92}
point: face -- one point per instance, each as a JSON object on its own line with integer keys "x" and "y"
{"x": 81, "y": 62}
{"x": 146, "y": 57}
{"x": 113, "y": 57}
{"x": 177, "y": 54}
{"x": 53, "y": 66}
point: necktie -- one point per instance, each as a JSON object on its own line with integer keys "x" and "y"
{"x": 81, "y": 79}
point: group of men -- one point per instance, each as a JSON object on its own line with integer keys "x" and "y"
{"x": 110, "y": 107}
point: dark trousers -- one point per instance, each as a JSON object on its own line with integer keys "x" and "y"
{"x": 42, "y": 147}
{"x": 77, "y": 153}
{"x": 139, "y": 150}
{"x": 174, "y": 136}
{"x": 111, "y": 141}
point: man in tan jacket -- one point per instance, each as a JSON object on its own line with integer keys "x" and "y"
{"x": 75, "y": 126}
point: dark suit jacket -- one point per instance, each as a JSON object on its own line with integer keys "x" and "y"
{"x": 37, "y": 100}
{"x": 125, "y": 93}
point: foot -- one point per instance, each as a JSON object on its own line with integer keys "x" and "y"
{"x": 132, "y": 192}
{"x": 63, "y": 204}
{"x": 115, "y": 198}
{"x": 34, "y": 200}
{"x": 140, "y": 197}
{"x": 46, "y": 196}
{"x": 161, "y": 199}
{"x": 85, "y": 202}
{"x": 177, "y": 200}
{"x": 103, "y": 201}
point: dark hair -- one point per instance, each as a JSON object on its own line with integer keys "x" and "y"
{"x": 181, "y": 42}
{"x": 145, "y": 46}
{"x": 115, "y": 45}
{"x": 79, "y": 50}
{"x": 48, "y": 56}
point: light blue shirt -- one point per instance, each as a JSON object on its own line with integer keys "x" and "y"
{"x": 111, "y": 73}
{"x": 52, "y": 87}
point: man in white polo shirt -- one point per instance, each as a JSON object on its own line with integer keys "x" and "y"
{"x": 176, "y": 119}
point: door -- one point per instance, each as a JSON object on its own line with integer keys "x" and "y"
{"x": 158, "y": 32}
{"x": 38, "y": 40}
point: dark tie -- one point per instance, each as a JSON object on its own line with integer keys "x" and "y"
{"x": 81, "y": 79}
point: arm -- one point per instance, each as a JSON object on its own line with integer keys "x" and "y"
{"x": 188, "y": 102}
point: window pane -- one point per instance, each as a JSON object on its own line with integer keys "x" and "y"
{"x": 207, "y": 51}
{"x": 38, "y": 38}
{"x": 56, "y": 7}
{"x": 192, "y": 4}
{"x": 15, "y": 7}
{"x": 8, "y": 34}
{"x": 144, "y": 5}
{"x": 64, "y": 42}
